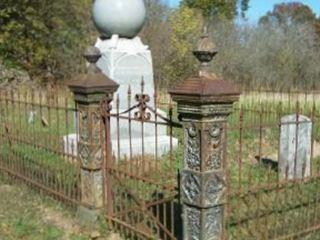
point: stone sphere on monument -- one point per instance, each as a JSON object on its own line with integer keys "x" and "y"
{"x": 119, "y": 17}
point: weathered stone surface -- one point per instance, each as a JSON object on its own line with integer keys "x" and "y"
{"x": 204, "y": 103}
{"x": 203, "y": 180}
{"x": 90, "y": 142}
{"x": 295, "y": 147}
{"x": 90, "y": 90}
{"x": 205, "y": 136}
{"x": 91, "y": 188}
{"x": 203, "y": 189}
{"x": 203, "y": 223}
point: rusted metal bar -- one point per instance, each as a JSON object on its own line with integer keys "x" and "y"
{"x": 107, "y": 163}
{"x": 263, "y": 214}
{"x": 130, "y": 126}
{"x": 296, "y": 140}
{"x": 155, "y": 96}
{"x": 299, "y": 234}
{"x": 28, "y": 180}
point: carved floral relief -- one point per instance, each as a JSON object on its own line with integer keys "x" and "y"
{"x": 193, "y": 216}
{"x": 213, "y": 158}
{"x": 192, "y": 156}
{"x": 191, "y": 187}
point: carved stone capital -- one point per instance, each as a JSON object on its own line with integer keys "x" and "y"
{"x": 91, "y": 98}
{"x": 220, "y": 111}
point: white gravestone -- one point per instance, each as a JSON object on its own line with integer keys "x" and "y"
{"x": 295, "y": 147}
{"x": 32, "y": 117}
{"x": 126, "y": 60}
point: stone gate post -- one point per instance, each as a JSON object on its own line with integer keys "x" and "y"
{"x": 89, "y": 90}
{"x": 204, "y": 103}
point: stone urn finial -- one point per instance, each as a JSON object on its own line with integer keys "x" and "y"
{"x": 205, "y": 87}
{"x": 92, "y": 55}
{"x": 205, "y": 52}
{"x": 87, "y": 86}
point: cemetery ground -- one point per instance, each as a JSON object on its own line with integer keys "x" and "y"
{"x": 27, "y": 215}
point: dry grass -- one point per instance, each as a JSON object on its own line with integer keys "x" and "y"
{"x": 25, "y": 215}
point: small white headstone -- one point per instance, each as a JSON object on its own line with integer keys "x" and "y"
{"x": 295, "y": 147}
{"x": 32, "y": 116}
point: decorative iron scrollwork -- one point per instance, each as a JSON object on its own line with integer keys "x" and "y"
{"x": 142, "y": 114}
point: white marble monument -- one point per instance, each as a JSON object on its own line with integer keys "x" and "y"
{"x": 126, "y": 60}
{"x": 295, "y": 147}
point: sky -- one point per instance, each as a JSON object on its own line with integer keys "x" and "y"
{"x": 259, "y": 8}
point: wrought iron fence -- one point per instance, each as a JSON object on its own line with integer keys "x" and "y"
{"x": 35, "y": 145}
{"x": 144, "y": 153}
{"x": 142, "y": 171}
{"x": 265, "y": 199}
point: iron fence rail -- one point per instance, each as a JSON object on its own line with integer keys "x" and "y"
{"x": 144, "y": 190}
{"x": 32, "y": 130}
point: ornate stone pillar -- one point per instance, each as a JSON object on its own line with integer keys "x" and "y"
{"x": 204, "y": 103}
{"x": 90, "y": 90}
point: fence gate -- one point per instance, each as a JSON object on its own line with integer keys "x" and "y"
{"x": 141, "y": 193}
